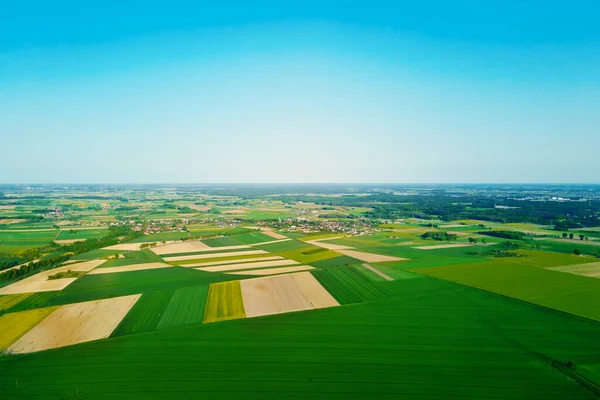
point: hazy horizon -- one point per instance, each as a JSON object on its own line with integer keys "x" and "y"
{"x": 379, "y": 93}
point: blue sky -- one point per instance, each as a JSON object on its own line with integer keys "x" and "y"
{"x": 399, "y": 92}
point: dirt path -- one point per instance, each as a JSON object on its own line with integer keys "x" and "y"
{"x": 378, "y": 272}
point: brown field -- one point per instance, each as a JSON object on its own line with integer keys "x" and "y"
{"x": 69, "y": 241}
{"x": 271, "y": 242}
{"x": 330, "y": 246}
{"x": 237, "y": 211}
{"x": 275, "y": 235}
{"x": 591, "y": 269}
{"x": 313, "y": 291}
{"x": 40, "y": 283}
{"x": 273, "y": 271}
{"x": 369, "y": 257}
{"x": 248, "y": 265}
{"x": 75, "y": 323}
{"x": 283, "y": 293}
{"x": 181, "y": 247}
{"x": 237, "y": 261}
{"x": 7, "y": 207}
{"x": 10, "y": 221}
{"x": 213, "y": 255}
{"x": 129, "y": 268}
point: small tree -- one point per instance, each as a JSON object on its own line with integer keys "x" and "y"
{"x": 471, "y": 240}
{"x": 564, "y": 235}
{"x": 483, "y": 241}
{"x": 577, "y": 252}
{"x": 571, "y": 236}
{"x": 581, "y": 237}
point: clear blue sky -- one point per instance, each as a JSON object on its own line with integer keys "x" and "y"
{"x": 306, "y": 91}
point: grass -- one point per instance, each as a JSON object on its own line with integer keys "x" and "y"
{"x": 253, "y": 238}
{"x": 102, "y": 286}
{"x": 439, "y": 341}
{"x": 81, "y": 234}
{"x": 222, "y": 241}
{"x": 569, "y": 293}
{"x": 348, "y": 285}
{"x": 146, "y": 313}
{"x": 186, "y": 307}
{"x": 15, "y": 325}
{"x": 9, "y": 301}
{"x": 224, "y": 302}
{"x": 36, "y": 300}
{"x": 288, "y": 245}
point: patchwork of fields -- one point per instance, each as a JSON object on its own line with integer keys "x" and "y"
{"x": 262, "y": 314}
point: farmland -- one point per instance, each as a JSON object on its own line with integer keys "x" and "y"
{"x": 167, "y": 294}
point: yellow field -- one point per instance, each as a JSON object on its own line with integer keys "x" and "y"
{"x": 7, "y": 302}
{"x": 224, "y": 302}
{"x": 15, "y": 325}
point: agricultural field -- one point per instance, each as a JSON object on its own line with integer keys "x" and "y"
{"x": 192, "y": 293}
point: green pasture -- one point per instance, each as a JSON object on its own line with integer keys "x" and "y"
{"x": 433, "y": 340}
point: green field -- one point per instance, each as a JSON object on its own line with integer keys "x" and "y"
{"x": 449, "y": 335}
{"x": 573, "y": 294}
{"x": 466, "y": 323}
{"x": 348, "y": 285}
{"x": 186, "y": 307}
{"x": 146, "y": 313}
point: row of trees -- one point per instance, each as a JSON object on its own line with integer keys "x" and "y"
{"x": 60, "y": 254}
{"x": 571, "y": 236}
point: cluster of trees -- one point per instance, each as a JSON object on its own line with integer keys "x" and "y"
{"x": 60, "y": 254}
{"x": 572, "y": 236}
{"x": 504, "y": 234}
{"x": 441, "y": 236}
{"x": 149, "y": 245}
{"x": 474, "y": 241}
{"x": 448, "y": 206}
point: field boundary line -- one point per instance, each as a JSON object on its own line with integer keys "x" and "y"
{"x": 378, "y": 272}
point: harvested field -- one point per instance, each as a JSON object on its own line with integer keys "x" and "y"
{"x": 330, "y": 246}
{"x": 40, "y": 283}
{"x": 271, "y": 242}
{"x": 124, "y": 247}
{"x": 592, "y": 269}
{"x": 443, "y": 246}
{"x": 378, "y": 272}
{"x": 15, "y": 325}
{"x": 273, "y": 234}
{"x": 129, "y": 268}
{"x": 69, "y": 241}
{"x": 273, "y": 271}
{"x": 236, "y": 261}
{"x": 213, "y": 255}
{"x": 313, "y": 291}
{"x": 190, "y": 247}
{"x": 283, "y": 293}
{"x": 85, "y": 266}
{"x": 224, "y": 302}
{"x": 75, "y": 323}
{"x": 273, "y": 295}
{"x": 248, "y": 265}
{"x": 369, "y": 257}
